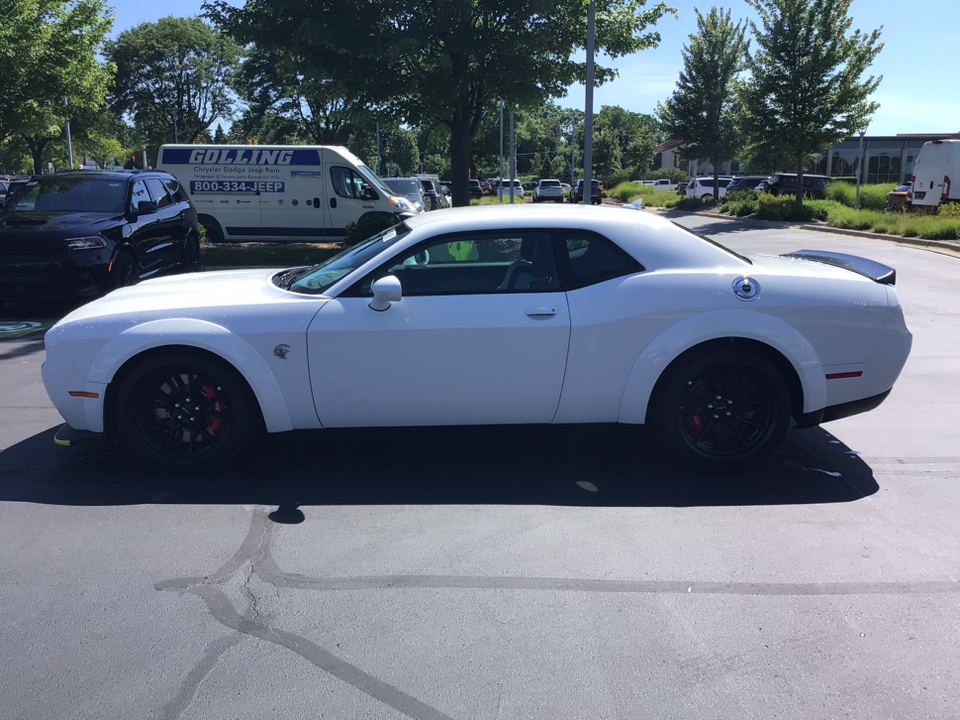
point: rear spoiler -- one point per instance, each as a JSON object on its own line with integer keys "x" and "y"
{"x": 878, "y": 272}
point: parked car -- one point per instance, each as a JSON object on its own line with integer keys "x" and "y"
{"x": 548, "y": 191}
{"x": 897, "y": 199}
{"x": 603, "y": 316}
{"x": 505, "y": 186}
{"x": 476, "y": 190}
{"x": 745, "y": 183}
{"x": 432, "y": 192}
{"x": 80, "y": 234}
{"x": 682, "y": 189}
{"x": 409, "y": 188}
{"x": 663, "y": 184}
{"x": 703, "y": 187}
{"x": 596, "y": 192}
{"x": 814, "y": 186}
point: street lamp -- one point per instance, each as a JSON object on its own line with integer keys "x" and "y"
{"x": 856, "y": 204}
{"x": 66, "y": 101}
{"x": 588, "y": 115}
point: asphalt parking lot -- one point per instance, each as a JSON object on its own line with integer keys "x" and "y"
{"x": 566, "y": 572}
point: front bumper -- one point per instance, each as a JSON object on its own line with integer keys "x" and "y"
{"x": 35, "y": 277}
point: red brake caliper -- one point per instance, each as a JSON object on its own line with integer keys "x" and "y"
{"x": 694, "y": 421}
{"x": 209, "y": 391}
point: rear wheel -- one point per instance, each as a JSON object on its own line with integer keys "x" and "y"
{"x": 723, "y": 409}
{"x": 184, "y": 411}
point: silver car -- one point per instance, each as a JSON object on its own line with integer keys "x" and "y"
{"x": 410, "y": 189}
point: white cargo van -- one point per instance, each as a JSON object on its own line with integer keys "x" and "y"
{"x": 279, "y": 192}
{"x": 936, "y": 169}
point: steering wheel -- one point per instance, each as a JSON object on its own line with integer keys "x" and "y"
{"x": 419, "y": 259}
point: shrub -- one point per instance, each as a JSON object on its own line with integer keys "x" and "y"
{"x": 950, "y": 210}
{"x": 674, "y": 175}
{"x": 629, "y": 191}
{"x": 686, "y": 203}
{"x": 821, "y": 208}
{"x": 740, "y": 196}
{"x": 618, "y": 177}
{"x": 872, "y": 197}
{"x": 841, "y": 192}
{"x": 782, "y": 208}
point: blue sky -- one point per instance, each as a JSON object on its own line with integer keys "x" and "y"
{"x": 917, "y": 95}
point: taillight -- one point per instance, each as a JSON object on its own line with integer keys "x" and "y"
{"x": 946, "y": 189}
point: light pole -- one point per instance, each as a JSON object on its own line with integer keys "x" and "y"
{"x": 66, "y": 101}
{"x": 500, "y": 183}
{"x": 513, "y": 154}
{"x": 588, "y": 114}
{"x": 856, "y": 204}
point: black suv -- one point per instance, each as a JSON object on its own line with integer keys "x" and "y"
{"x": 79, "y": 234}
{"x": 595, "y": 196}
{"x": 814, "y": 186}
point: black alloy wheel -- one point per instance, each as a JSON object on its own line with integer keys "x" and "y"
{"x": 124, "y": 271}
{"x": 191, "y": 254}
{"x": 724, "y": 410}
{"x": 184, "y": 412}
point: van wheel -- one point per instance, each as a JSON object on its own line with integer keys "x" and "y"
{"x": 212, "y": 229}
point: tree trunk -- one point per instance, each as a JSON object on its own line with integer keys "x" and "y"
{"x": 461, "y": 138}
{"x": 37, "y": 145}
{"x": 716, "y": 183}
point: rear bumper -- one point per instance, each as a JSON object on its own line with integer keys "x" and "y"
{"x": 835, "y": 412}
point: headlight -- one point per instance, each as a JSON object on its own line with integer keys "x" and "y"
{"x": 402, "y": 203}
{"x": 85, "y": 243}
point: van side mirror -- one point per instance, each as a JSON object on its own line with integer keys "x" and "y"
{"x": 386, "y": 291}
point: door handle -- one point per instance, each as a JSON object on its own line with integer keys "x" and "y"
{"x": 333, "y": 202}
{"x": 541, "y": 312}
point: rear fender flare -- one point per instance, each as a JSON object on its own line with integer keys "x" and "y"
{"x": 204, "y": 335}
{"x": 698, "y": 329}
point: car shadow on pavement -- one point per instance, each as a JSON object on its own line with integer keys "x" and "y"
{"x": 590, "y": 466}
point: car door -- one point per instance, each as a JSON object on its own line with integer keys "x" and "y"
{"x": 480, "y": 336}
{"x": 172, "y": 232}
{"x": 147, "y": 236}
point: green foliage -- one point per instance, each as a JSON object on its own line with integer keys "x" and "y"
{"x": 674, "y": 175}
{"x": 48, "y": 52}
{"x": 452, "y": 61}
{"x": 628, "y": 192}
{"x": 700, "y": 111}
{"x": 782, "y": 208}
{"x": 949, "y": 210}
{"x": 928, "y": 227}
{"x": 174, "y": 70}
{"x": 805, "y": 92}
{"x": 842, "y": 192}
{"x": 872, "y": 197}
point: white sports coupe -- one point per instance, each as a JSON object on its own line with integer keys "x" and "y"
{"x": 509, "y": 315}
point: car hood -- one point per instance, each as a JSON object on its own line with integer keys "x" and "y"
{"x": 203, "y": 295}
{"x": 60, "y": 224}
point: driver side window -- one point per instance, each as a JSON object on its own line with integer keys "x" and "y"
{"x": 348, "y": 183}
{"x": 519, "y": 261}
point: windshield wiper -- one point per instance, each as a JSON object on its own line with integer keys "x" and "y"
{"x": 288, "y": 277}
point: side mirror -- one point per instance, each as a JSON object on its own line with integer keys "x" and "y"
{"x": 146, "y": 207}
{"x": 368, "y": 193}
{"x": 386, "y": 291}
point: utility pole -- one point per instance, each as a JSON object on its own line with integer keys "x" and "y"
{"x": 66, "y": 101}
{"x": 588, "y": 119}
{"x": 513, "y": 154}
{"x": 500, "y": 186}
{"x": 856, "y": 204}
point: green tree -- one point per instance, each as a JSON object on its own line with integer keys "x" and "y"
{"x": 450, "y": 62}
{"x": 402, "y": 150}
{"x": 700, "y": 111}
{"x": 173, "y": 77}
{"x": 805, "y": 92}
{"x": 48, "y": 52}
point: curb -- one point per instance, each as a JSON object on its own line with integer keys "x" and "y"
{"x": 937, "y": 246}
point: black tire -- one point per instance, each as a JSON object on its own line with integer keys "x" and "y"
{"x": 190, "y": 262}
{"x": 184, "y": 412}
{"x": 722, "y": 410}
{"x": 124, "y": 271}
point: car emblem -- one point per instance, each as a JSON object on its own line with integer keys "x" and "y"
{"x": 281, "y": 351}
{"x": 746, "y": 288}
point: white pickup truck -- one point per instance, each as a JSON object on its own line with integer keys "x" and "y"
{"x": 548, "y": 190}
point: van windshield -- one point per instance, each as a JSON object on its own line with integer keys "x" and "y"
{"x": 373, "y": 179}
{"x": 317, "y": 279}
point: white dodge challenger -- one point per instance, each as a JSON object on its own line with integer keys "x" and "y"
{"x": 488, "y": 316}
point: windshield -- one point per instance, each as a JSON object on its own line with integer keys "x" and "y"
{"x": 403, "y": 185}
{"x": 373, "y": 179}
{"x": 317, "y": 279}
{"x": 70, "y": 194}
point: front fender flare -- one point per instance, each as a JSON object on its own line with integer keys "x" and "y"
{"x": 701, "y": 328}
{"x": 205, "y": 335}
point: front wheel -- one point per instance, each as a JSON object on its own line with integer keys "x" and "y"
{"x": 723, "y": 409}
{"x": 124, "y": 271}
{"x": 190, "y": 261}
{"x": 184, "y": 411}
